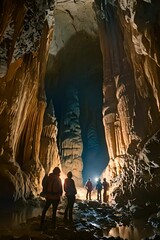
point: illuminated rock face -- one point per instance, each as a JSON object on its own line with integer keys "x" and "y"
{"x": 28, "y": 126}
{"x": 129, "y": 33}
{"x": 129, "y": 38}
{"x": 49, "y": 156}
{"x": 26, "y": 29}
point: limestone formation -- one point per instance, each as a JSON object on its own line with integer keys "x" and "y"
{"x": 49, "y": 156}
{"x": 25, "y": 34}
{"x": 129, "y": 42}
{"x": 51, "y": 94}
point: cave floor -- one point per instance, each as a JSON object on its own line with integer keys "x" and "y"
{"x": 92, "y": 221}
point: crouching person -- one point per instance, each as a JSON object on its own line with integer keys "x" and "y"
{"x": 53, "y": 192}
{"x": 70, "y": 190}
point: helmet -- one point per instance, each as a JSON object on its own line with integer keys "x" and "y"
{"x": 56, "y": 170}
{"x": 69, "y": 174}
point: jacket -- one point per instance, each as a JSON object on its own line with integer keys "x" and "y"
{"x": 69, "y": 187}
{"x": 89, "y": 186}
{"x": 53, "y": 187}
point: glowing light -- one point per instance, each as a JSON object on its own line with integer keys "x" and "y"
{"x": 96, "y": 179}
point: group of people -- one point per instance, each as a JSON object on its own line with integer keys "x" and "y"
{"x": 53, "y": 189}
{"x": 99, "y": 186}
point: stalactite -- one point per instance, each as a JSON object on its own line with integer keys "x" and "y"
{"x": 25, "y": 39}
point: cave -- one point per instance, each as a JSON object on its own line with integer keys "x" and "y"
{"x": 77, "y": 100}
{"x": 80, "y": 90}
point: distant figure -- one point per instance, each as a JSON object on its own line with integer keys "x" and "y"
{"x": 53, "y": 192}
{"x": 105, "y": 188}
{"x": 70, "y": 189}
{"x": 99, "y": 189}
{"x": 89, "y": 188}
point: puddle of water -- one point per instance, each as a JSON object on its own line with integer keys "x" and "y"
{"x": 13, "y": 217}
{"x": 137, "y": 230}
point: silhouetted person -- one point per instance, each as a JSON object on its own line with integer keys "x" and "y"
{"x": 99, "y": 189}
{"x": 89, "y": 188}
{"x": 53, "y": 193}
{"x": 70, "y": 189}
{"x": 105, "y": 188}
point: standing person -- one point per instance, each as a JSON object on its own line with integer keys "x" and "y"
{"x": 70, "y": 189}
{"x": 99, "y": 189}
{"x": 89, "y": 188}
{"x": 53, "y": 192}
{"x": 105, "y": 188}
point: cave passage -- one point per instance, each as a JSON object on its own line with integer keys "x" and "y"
{"x": 75, "y": 88}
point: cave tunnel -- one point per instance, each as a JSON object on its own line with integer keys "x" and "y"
{"x": 79, "y": 80}
{"x": 80, "y": 89}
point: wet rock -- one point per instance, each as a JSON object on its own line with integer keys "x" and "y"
{"x": 155, "y": 221}
{"x": 83, "y": 226}
{"x": 80, "y": 227}
{"x": 154, "y": 237}
{"x": 82, "y": 205}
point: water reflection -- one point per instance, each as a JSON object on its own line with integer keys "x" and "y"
{"x": 137, "y": 230}
{"x": 12, "y": 217}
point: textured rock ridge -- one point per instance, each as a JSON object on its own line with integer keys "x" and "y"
{"x": 24, "y": 43}
{"x": 129, "y": 42}
{"x": 70, "y": 140}
{"x": 49, "y": 155}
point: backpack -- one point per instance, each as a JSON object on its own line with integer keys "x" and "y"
{"x": 44, "y": 186}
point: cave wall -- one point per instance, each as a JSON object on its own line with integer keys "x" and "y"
{"x": 25, "y": 33}
{"x": 129, "y": 35}
{"x": 49, "y": 154}
{"x": 129, "y": 39}
{"x": 28, "y": 125}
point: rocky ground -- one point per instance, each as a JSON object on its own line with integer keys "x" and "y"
{"x": 92, "y": 221}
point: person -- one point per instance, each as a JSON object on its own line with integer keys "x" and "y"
{"x": 105, "y": 188}
{"x": 70, "y": 190}
{"x": 53, "y": 192}
{"x": 99, "y": 189}
{"x": 89, "y": 188}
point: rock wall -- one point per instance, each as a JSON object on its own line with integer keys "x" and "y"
{"x": 25, "y": 34}
{"x": 49, "y": 154}
{"x": 70, "y": 141}
{"x": 129, "y": 33}
{"x": 28, "y": 144}
{"x": 129, "y": 38}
